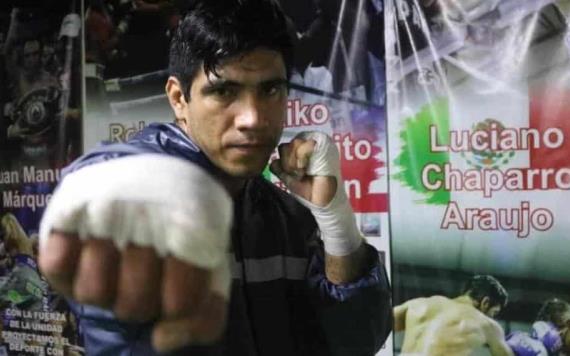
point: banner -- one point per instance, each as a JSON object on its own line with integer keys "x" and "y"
{"x": 478, "y": 104}
{"x": 338, "y": 87}
{"x": 40, "y": 113}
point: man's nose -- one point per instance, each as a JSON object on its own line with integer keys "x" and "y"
{"x": 250, "y": 113}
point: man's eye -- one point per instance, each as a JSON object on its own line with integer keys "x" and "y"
{"x": 272, "y": 90}
{"x": 224, "y": 92}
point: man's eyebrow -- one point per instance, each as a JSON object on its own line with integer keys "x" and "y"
{"x": 274, "y": 82}
{"x": 221, "y": 83}
{"x": 216, "y": 84}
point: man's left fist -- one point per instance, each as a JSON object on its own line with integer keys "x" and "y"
{"x": 309, "y": 166}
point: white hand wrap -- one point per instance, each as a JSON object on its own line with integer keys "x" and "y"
{"x": 336, "y": 220}
{"x": 149, "y": 200}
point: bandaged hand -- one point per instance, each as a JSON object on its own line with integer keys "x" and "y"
{"x": 548, "y": 335}
{"x": 523, "y": 345}
{"x": 145, "y": 236}
{"x": 309, "y": 166}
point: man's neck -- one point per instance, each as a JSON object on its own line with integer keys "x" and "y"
{"x": 465, "y": 299}
{"x": 233, "y": 185}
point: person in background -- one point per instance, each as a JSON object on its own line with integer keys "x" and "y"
{"x": 549, "y": 334}
{"x": 460, "y": 326}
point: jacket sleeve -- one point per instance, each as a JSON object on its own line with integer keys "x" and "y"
{"x": 356, "y": 317}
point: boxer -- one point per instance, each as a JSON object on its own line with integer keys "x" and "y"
{"x": 442, "y": 326}
{"x": 139, "y": 236}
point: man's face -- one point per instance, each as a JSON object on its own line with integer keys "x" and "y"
{"x": 237, "y": 118}
{"x": 493, "y": 311}
{"x": 31, "y": 55}
{"x": 488, "y": 308}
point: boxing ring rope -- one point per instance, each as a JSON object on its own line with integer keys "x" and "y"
{"x": 118, "y": 106}
{"x": 116, "y": 85}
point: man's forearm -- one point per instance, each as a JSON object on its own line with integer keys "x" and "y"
{"x": 349, "y": 268}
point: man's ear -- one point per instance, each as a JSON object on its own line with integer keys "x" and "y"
{"x": 485, "y": 303}
{"x": 177, "y": 100}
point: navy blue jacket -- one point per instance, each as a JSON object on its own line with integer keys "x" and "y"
{"x": 281, "y": 302}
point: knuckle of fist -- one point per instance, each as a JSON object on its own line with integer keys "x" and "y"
{"x": 213, "y": 319}
{"x": 95, "y": 293}
{"x": 210, "y": 329}
{"x": 55, "y": 260}
{"x": 135, "y": 311}
{"x": 175, "y": 307}
{"x": 51, "y": 267}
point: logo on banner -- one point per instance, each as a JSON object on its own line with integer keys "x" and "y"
{"x": 495, "y": 156}
{"x": 488, "y": 158}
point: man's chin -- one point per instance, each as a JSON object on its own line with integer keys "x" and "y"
{"x": 244, "y": 171}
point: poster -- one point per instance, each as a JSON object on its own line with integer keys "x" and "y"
{"x": 478, "y": 104}
{"x": 337, "y": 87}
{"x": 40, "y": 113}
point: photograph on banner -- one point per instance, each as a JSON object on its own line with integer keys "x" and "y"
{"x": 338, "y": 87}
{"x": 126, "y": 60}
{"x": 478, "y": 97}
{"x": 40, "y": 132}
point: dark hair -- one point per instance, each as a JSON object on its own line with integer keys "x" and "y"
{"x": 213, "y": 30}
{"x": 552, "y": 311}
{"x": 481, "y": 286}
{"x": 22, "y": 48}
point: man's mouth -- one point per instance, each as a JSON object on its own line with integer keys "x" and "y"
{"x": 251, "y": 146}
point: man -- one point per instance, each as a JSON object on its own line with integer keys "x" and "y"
{"x": 441, "y": 326}
{"x": 549, "y": 334}
{"x": 34, "y": 90}
{"x": 30, "y": 74}
{"x": 140, "y": 229}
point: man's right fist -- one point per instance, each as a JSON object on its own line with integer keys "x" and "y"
{"x": 549, "y": 335}
{"x": 145, "y": 236}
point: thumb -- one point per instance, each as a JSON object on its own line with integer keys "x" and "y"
{"x": 276, "y": 168}
{"x": 296, "y": 185}
{"x": 206, "y": 327}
